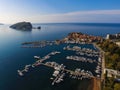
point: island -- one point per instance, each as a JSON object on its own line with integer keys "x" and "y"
{"x": 39, "y": 27}
{"x": 24, "y": 26}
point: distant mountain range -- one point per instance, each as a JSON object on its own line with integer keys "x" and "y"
{"x": 1, "y": 23}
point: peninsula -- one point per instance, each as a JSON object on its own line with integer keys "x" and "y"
{"x": 71, "y": 38}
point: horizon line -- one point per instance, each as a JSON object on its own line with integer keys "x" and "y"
{"x": 64, "y": 23}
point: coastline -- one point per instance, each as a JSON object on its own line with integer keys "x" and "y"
{"x": 102, "y": 79}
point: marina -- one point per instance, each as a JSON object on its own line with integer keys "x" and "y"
{"x": 60, "y": 70}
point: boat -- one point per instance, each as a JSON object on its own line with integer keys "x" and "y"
{"x": 37, "y": 57}
{"x": 20, "y": 73}
{"x": 51, "y": 78}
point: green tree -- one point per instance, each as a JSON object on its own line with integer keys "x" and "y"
{"x": 117, "y": 86}
{"x": 118, "y": 66}
{"x": 115, "y": 57}
{"x": 107, "y": 88}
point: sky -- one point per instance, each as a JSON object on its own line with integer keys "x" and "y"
{"x": 60, "y": 11}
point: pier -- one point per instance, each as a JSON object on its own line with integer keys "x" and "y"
{"x": 82, "y": 59}
{"x": 37, "y": 63}
{"x": 60, "y": 70}
{"x": 101, "y": 60}
{"x": 40, "y": 44}
{"x": 83, "y": 51}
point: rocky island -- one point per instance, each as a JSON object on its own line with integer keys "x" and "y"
{"x": 22, "y": 26}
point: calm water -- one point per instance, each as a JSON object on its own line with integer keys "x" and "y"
{"x": 12, "y": 57}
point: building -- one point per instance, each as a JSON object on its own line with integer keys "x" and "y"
{"x": 118, "y": 43}
{"x": 108, "y": 36}
{"x": 113, "y": 36}
{"x": 111, "y": 72}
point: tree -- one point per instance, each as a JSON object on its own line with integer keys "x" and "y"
{"x": 118, "y": 66}
{"x": 117, "y": 86}
{"x": 115, "y": 57}
{"x": 107, "y": 88}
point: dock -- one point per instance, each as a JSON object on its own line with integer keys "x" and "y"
{"x": 61, "y": 70}
{"x": 37, "y": 63}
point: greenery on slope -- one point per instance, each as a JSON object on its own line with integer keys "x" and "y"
{"x": 112, "y": 54}
{"x": 112, "y": 61}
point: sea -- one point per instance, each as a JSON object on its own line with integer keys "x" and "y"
{"x": 13, "y": 57}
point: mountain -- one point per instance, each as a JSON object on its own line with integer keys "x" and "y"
{"x": 1, "y": 24}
